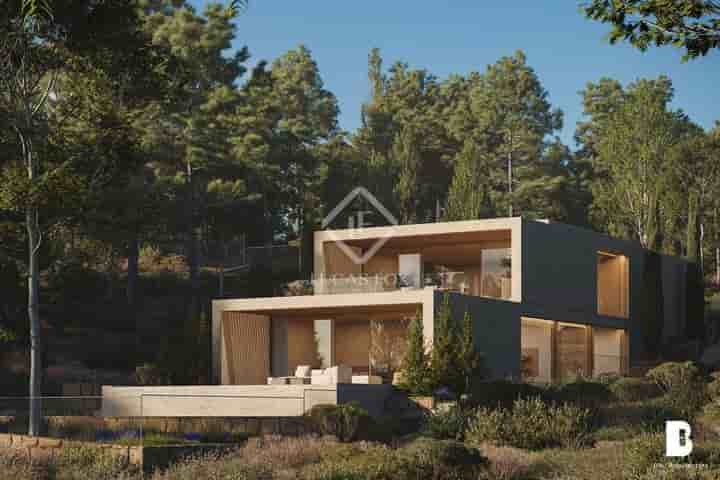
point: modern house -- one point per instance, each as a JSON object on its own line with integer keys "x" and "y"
{"x": 547, "y": 301}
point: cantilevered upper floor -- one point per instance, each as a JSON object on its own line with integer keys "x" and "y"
{"x": 553, "y": 265}
{"x": 479, "y": 257}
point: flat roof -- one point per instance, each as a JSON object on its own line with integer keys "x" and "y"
{"x": 419, "y": 229}
{"x": 319, "y": 303}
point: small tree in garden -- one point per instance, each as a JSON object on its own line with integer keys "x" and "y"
{"x": 444, "y": 366}
{"x": 415, "y": 371}
{"x": 468, "y": 359}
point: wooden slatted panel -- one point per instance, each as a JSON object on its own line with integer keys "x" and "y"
{"x": 302, "y": 348}
{"x": 352, "y": 344}
{"x": 247, "y": 348}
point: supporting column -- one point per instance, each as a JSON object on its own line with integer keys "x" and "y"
{"x": 589, "y": 350}
{"x": 554, "y": 369}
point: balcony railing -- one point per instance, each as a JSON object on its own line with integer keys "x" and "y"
{"x": 451, "y": 281}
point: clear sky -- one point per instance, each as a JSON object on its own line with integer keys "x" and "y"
{"x": 459, "y": 36}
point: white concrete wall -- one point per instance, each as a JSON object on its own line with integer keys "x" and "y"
{"x": 215, "y": 401}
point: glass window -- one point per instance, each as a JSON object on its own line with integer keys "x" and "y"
{"x": 496, "y": 277}
{"x": 612, "y": 285}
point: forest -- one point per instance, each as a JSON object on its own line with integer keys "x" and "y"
{"x": 137, "y": 149}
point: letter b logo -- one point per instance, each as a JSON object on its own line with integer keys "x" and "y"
{"x": 677, "y": 439}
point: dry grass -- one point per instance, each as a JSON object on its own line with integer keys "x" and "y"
{"x": 603, "y": 462}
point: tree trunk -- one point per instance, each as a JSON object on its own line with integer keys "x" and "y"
{"x": 34, "y": 316}
{"x": 133, "y": 259}
{"x": 692, "y": 237}
{"x": 193, "y": 250}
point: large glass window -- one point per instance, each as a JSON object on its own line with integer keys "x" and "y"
{"x": 536, "y": 344}
{"x": 558, "y": 351}
{"x": 572, "y": 351}
{"x": 609, "y": 351}
{"x": 612, "y": 284}
{"x": 496, "y": 280}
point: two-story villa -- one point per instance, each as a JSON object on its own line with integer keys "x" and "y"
{"x": 547, "y": 301}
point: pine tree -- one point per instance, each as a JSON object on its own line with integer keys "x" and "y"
{"x": 443, "y": 357}
{"x": 469, "y": 361}
{"x": 407, "y": 158}
{"x": 415, "y": 371}
{"x": 467, "y": 190}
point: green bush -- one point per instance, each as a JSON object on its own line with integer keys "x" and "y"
{"x": 342, "y": 421}
{"x": 642, "y": 453}
{"x": 672, "y": 375}
{"x": 501, "y": 393}
{"x": 581, "y": 392}
{"x": 630, "y": 389}
{"x": 713, "y": 389}
{"x": 533, "y": 424}
{"x": 607, "y": 378}
{"x": 443, "y": 459}
{"x": 151, "y": 374}
{"x": 423, "y": 459}
{"x": 447, "y": 425}
{"x": 684, "y": 387}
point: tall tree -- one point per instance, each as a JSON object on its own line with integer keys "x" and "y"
{"x": 307, "y": 115}
{"x": 511, "y": 116}
{"x": 693, "y": 25}
{"x": 197, "y": 148}
{"x": 406, "y": 155}
{"x": 39, "y": 39}
{"x": 467, "y": 194}
{"x": 634, "y": 162}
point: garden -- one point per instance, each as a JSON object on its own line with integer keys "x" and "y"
{"x": 605, "y": 428}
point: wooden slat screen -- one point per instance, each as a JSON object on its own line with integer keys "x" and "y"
{"x": 247, "y": 348}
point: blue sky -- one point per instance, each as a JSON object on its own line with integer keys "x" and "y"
{"x": 460, "y": 36}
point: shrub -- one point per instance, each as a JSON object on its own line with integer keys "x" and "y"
{"x": 641, "y": 453}
{"x": 532, "y": 424}
{"x": 443, "y": 459}
{"x": 423, "y": 459}
{"x": 630, "y": 389}
{"x": 507, "y": 463}
{"x": 607, "y": 378}
{"x": 713, "y": 389}
{"x": 582, "y": 393}
{"x": 501, "y": 393}
{"x": 684, "y": 387}
{"x": 649, "y": 415}
{"x": 672, "y": 375}
{"x": 151, "y": 374}
{"x": 90, "y": 463}
{"x": 342, "y": 421}
{"x": 447, "y": 425}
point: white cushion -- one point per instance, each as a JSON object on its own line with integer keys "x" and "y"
{"x": 321, "y": 380}
{"x": 340, "y": 374}
{"x": 317, "y": 371}
{"x": 367, "y": 379}
{"x": 302, "y": 371}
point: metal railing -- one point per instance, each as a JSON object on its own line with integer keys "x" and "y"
{"x": 374, "y": 283}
